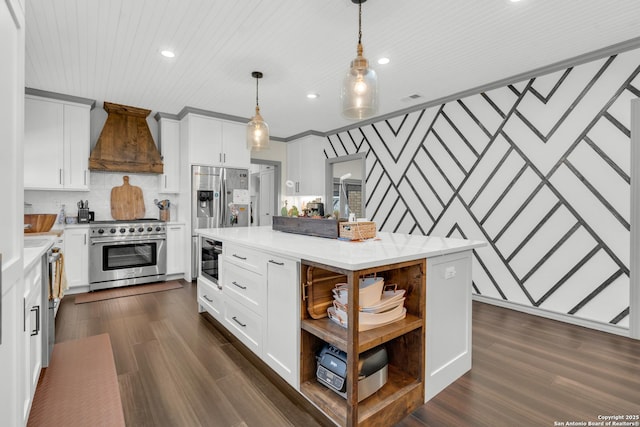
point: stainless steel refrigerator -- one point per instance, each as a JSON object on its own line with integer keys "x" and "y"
{"x": 219, "y": 198}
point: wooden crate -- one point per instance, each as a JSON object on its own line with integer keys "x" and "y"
{"x": 357, "y": 230}
{"x": 318, "y": 227}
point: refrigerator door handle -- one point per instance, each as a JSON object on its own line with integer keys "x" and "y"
{"x": 222, "y": 201}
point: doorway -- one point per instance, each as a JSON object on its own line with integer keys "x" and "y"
{"x": 265, "y": 190}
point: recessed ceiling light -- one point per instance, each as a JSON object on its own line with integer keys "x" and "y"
{"x": 312, "y": 95}
{"x": 167, "y": 53}
{"x": 383, "y": 61}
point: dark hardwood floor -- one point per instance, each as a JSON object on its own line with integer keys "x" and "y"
{"x": 176, "y": 369}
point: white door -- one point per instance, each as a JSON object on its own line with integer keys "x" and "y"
{"x": 12, "y": 196}
{"x": 266, "y": 203}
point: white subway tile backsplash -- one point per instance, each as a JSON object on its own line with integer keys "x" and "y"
{"x": 99, "y": 196}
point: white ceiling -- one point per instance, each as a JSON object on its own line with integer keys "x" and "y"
{"x": 108, "y": 50}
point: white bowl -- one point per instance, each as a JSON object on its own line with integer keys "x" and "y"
{"x": 370, "y": 291}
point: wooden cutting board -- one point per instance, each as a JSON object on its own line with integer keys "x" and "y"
{"x": 126, "y": 201}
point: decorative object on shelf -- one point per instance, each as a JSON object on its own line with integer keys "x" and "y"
{"x": 284, "y": 211}
{"x": 360, "y": 86}
{"x": 358, "y": 230}
{"x": 317, "y": 227}
{"x": 257, "y": 129}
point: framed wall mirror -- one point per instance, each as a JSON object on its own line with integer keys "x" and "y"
{"x": 345, "y": 185}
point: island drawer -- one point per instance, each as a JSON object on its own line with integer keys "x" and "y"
{"x": 244, "y": 324}
{"x": 245, "y": 257}
{"x": 210, "y": 298}
{"x": 245, "y": 286}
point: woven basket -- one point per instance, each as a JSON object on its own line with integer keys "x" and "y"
{"x": 357, "y": 230}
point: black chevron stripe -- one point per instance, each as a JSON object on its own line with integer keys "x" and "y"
{"x": 596, "y": 291}
{"x": 607, "y": 159}
{"x": 397, "y": 131}
{"x": 568, "y": 275}
{"x": 554, "y": 89}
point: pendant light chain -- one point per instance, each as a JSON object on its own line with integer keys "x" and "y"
{"x": 257, "y": 105}
{"x": 360, "y": 23}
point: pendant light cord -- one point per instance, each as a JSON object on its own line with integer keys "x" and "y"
{"x": 360, "y": 23}
{"x": 257, "y": 92}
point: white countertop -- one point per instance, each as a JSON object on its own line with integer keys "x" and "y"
{"x": 386, "y": 248}
{"x": 32, "y": 254}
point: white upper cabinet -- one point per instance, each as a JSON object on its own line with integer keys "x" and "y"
{"x": 216, "y": 142}
{"x": 305, "y": 167}
{"x": 170, "y": 147}
{"x": 56, "y": 144}
{"x": 234, "y": 143}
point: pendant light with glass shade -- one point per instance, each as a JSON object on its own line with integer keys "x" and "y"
{"x": 360, "y": 85}
{"x": 257, "y": 129}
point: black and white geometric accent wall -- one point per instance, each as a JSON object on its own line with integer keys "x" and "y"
{"x": 539, "y": 169}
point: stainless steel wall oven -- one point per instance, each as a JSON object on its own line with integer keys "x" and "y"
{"x": 127, "y": 253}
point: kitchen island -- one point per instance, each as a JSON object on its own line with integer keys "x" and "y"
{"x": 273, "y": 290}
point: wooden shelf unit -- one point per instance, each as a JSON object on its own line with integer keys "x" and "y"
{"x": 404, "y": 340}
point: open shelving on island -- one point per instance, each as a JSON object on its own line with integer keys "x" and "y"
{"x": 404, "y": 341}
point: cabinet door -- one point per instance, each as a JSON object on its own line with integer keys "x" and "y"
{"x": 170, "y": 144}
{"x": 205, "y": 140}
{"x": 266, "y": 200}
{"x": 282, "y": 334}
{"x": 305, "y": 167}
{"x": 312, "y": 167}
{"x": 34, "y": 331}
{"x": 175, "y": 249}
{"x": 30, "y": 361}
{"x": 76, "y": 256}
{"x": 76, "y": 147}
{"x": 43, "y": 144}
{"x": 234, "y": 144}
{"x": 293, "y": 168}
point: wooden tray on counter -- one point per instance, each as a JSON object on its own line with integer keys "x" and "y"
{"x": 319, "y": 227}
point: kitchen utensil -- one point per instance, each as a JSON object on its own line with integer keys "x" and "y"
{"x": 127, "y": 202}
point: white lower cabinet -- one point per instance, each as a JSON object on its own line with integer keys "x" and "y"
{"x": 31, "y": 340}
{"x": 76, "y": 257}
{"x": 281, "y": 339}
{"x": 175, "y": 249}
{"x": 210, "y": 299}
{"x": 258, "y": 302}
{"x": 245, "y": 286}
{"x": 244, "y": 324}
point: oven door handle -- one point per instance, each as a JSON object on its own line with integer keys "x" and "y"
{"x": 122, "y": 242}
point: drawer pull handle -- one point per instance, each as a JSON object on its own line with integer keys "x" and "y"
{"x": 244, "y": 258}
{"x": 244, "y": 325}
{"x": 207, "y": 298}
{"x": 37, "y": 329}
{"x": 276, "y": 262}
{"x": 240, "y": 286}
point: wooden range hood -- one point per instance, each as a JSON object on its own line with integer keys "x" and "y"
{"x": 125, "y": 143}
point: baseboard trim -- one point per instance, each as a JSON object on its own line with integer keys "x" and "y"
{"x": 612, "y": 329}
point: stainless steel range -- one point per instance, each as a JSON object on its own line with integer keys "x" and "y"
{"x": 123, "y": 253}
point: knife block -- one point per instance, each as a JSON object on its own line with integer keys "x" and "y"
{"x": 83, "y": 216}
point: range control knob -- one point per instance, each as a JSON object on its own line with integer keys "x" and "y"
{"x": 100, "y": 231}
{"x": 131, "y": 230}
{"x": 141, "y": 229}
{"x": 122, "y": 230}
{"x": 113, "y": 230}
{"x": 149, "y": 228}
{"x": 158, "y": 228}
